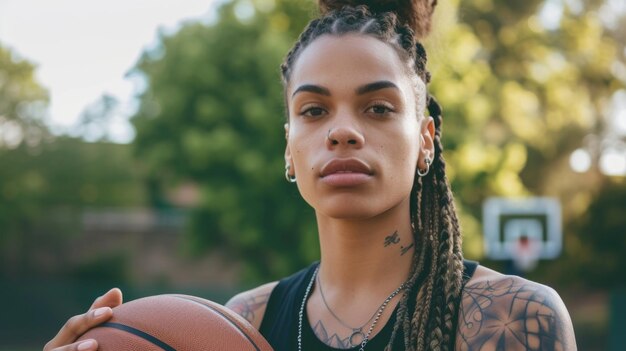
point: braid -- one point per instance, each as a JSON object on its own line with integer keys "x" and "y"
{"x": 437, "y": 266}
{"x": 450, "y": 267}
{"x": 424, "y": 307}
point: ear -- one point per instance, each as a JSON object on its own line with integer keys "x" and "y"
{"x": 427, "y": 144}
{"x": 288, "y": 160}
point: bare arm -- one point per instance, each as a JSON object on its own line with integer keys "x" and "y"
{"x": 511, "y": 313}
{"x": 251, "y": 304}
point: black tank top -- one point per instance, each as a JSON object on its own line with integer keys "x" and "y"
{"x": 280, "y": 321}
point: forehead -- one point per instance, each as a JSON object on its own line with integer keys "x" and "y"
{"x": 348, "y": 60}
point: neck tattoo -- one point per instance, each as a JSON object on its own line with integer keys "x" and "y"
{"x": 357, "y": 333}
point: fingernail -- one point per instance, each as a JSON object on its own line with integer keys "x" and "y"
{"x": 100, "y": 311}
{"x": 85, "y": 345}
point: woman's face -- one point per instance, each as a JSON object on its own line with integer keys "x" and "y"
{"x": 353, "y": 138}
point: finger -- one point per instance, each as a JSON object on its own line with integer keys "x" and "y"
{"x": 111, "y": 299}
{"x": 78, "y": 325}
{"x": 84, "y": 345}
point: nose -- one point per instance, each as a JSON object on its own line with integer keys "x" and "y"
{"x": 346, "y": 136}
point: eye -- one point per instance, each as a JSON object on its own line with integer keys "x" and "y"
{"x": 380, "y": 109}
{"x": 314, "y": 111}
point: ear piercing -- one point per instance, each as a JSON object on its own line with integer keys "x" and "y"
{"x": 422, "y": 173}
{"x": 290, "y": 178}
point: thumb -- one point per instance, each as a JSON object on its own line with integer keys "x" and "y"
{"x": 112, "y": 298}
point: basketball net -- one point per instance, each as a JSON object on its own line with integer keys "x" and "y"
{"x": 525, "y": 253}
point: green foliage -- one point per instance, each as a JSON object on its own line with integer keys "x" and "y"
{"x": 108, "y": 268}
{"x": 44, "y": 188}
{"x": 602, "y": 228}
{"x": 213, "y": 114}
{"x": 22, "y": 102}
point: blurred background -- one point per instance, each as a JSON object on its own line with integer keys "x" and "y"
{"x": 141, "y": 146}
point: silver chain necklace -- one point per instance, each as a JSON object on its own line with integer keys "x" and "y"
{"x": 356, "y": 331}
{"x": 369, "y": 331}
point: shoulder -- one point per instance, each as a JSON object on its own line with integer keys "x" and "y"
{"x": 251, "y": 304}
{"x": 502, "y": 312}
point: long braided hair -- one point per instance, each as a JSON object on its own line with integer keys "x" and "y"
{"x": 437, "y": 266}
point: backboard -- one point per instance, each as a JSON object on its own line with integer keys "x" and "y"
{"x": 522, "y": 226}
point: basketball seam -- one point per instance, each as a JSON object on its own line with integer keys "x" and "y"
{"x": 223, "y": 315}
{"x": 140, "y": 334}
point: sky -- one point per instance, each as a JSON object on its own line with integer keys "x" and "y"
{"x": 83, "y": 49}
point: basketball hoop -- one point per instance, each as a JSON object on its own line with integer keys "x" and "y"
{"x": 522, "y": 230}
{"x": 525, "y": 253}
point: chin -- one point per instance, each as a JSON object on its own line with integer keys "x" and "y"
{"x": 350, "y": 204}
{"x": 350, "y": 215}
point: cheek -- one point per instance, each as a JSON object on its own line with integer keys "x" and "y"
{"x": 401, "y": 154}
{"x": 401, "y": 147}
{"x": 305, "y": 172}
{"x": 303, "y": 154}
{"x": 299, "y": 145}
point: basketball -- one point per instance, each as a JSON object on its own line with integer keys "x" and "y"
{"x": 174, "y": 322}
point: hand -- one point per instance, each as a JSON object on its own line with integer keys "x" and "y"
{"x": 99, "y": 312}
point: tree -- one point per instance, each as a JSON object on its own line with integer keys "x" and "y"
{"x": 212, "y": 113}
{"x": 94, "y": 122}
{"x": 23, "y": 102}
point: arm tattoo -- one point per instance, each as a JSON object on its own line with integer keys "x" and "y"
{"x": 334, "y": 340}
{"x": 510, "y": 314}
{"x": 248, "y": 306}
{"x": 392, "y": 239}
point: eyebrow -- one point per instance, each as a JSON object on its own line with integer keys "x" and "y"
{"x": 367, "y": 88}
{"x": 312, "y": 89}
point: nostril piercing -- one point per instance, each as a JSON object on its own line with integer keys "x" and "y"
{"x": 332, "y": 141}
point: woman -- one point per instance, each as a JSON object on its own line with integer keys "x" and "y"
{"x": 364, "y": 148}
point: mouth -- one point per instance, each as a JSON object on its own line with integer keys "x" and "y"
{"x": 345, "y": 166}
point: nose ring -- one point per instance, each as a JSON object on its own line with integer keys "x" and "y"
{"x": 332, "y": 141}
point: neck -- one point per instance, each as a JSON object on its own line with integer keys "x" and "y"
{"x": 373, "y": 254}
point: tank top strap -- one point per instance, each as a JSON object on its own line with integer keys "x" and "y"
{"x": 280, "y": 321}
{"x": 469, "y": 267}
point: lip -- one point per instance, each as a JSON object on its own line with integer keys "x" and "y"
{"x": 345, "y": 172}
{"x": 345, "y": 165}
